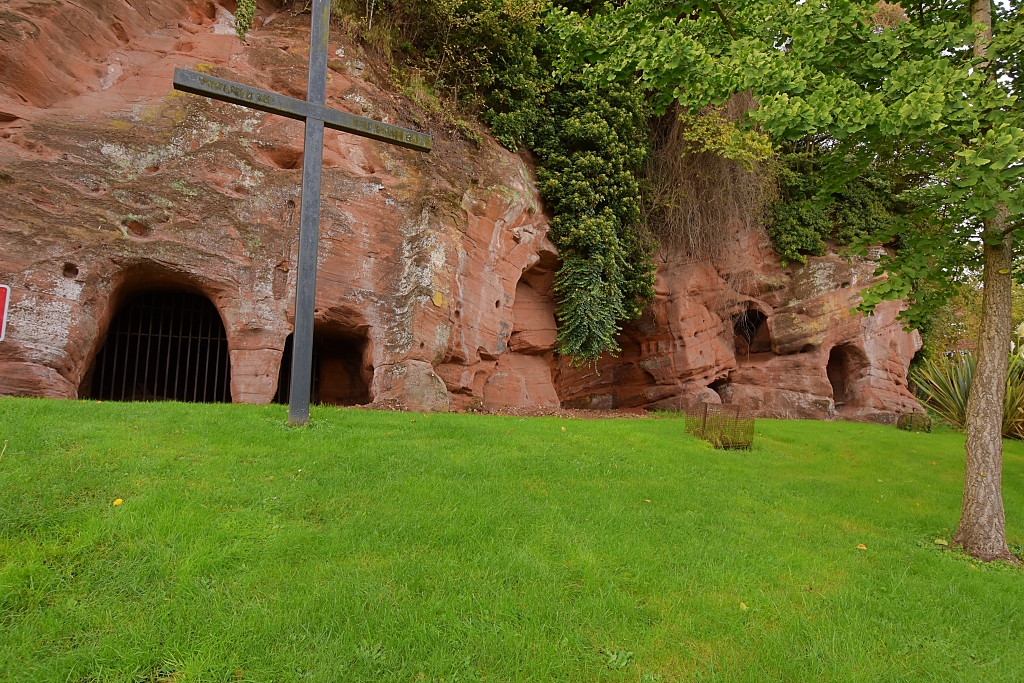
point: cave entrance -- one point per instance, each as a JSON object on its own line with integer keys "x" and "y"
{"x": 341, "y": 376}
{"x": 750, "y": 333}
{"x": 164, "y": 346}
{"x": 845, "y": 365}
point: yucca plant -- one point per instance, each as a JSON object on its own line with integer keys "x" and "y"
{"x": 945, "y": 383}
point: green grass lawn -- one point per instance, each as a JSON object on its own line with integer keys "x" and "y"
{"x": 379, "y": 546}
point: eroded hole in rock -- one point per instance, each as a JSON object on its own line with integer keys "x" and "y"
{"x": 284, "y": 157}
{"x": 70, "y": 271}
{"x": 750, "y": 333}
{"x": 164, "y": 346}
{"x": 533, "y": 312}
{"x": 846, "y": 364}
{"x": 120, "y": 33}
{"x": 279, "y": 284}
{"x": 137, "y": 228}
{"x": 341, "y": 371}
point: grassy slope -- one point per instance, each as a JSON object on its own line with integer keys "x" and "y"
{"x": 372, "y": 547}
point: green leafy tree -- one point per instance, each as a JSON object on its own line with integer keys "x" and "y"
{"x": 932, "y": 93}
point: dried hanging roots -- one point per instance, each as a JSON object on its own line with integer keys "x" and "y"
{"x": 692, "y": 198}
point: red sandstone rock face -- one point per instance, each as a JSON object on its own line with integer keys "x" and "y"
{"x": 438, "y": 266}
{"x": 801, "y": 351}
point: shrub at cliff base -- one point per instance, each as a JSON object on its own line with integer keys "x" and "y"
{"x": 944, "y": 384}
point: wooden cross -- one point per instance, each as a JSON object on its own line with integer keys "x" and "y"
{"x": 316, "y": 116}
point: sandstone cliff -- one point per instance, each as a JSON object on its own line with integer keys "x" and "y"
{"x": 437, "y": 265}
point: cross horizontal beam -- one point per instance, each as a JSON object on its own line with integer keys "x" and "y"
{"x": 282, "y": 105}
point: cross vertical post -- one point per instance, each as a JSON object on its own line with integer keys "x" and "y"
{"x": 314, "y": 112}
{"x": 309, "y": 220}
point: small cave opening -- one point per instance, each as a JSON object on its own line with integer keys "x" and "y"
{"x": 341, "y": 372}
{"x": 287, "y": 158}
{"x": 163, "y": 346}
{"x": 846, "y": 364}
{"x": 750, "y": 333}
{"x": 534, "y": 331}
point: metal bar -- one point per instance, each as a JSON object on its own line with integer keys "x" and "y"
{"x": 375, "y": 130}
{"x": 188, "y": 354}
{"x": 309, "y": 219}
{"x": 113, "y": 369}
{"x": 127, "y": 350}
{"x": 209, "y": 344}
{"x": 169, "y": 315}
{"x": 159, "y": 348}
{"x": 177, "y": 356}
{"x": 282, "y": 105}
{"x": 216, "y": 361}
{"x": 149, "y": 343}
{"x": 238, "y": 93}
{"x": 138, "y": 348}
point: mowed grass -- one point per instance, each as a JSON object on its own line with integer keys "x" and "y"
{"x": 379, "y": 546}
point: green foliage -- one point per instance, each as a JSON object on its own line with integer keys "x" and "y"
{"x": 907, "y": 94}
{"x": 371, "y": 548}
{"x": 590, "y": 148}
{"x": 590, "y": 141}
{"x": 711, "y": 131}
{"x": 244, "y": 15}
{"x": 944, "y": 385}
{"x": 956, "y": 325}
{"x": 465, "y": 47}
{"x": 809, "y": 211}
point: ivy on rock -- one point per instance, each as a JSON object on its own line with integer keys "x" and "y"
{"x": 591, "y": 147}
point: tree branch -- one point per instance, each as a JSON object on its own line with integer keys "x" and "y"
{"x": 721, "y": 14}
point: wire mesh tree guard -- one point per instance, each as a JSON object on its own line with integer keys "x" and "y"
{"x": 723, "y": 426}
{"x": 914, "y": 422}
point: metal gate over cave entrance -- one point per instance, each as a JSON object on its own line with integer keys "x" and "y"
{"x": 164, "y": 346}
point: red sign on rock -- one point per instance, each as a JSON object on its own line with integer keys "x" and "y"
{"x": 5, "y": 298}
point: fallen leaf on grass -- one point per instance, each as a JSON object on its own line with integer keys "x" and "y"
{"x": 861, "y": 546}
{"x": 117, "y": 502}
{"x": 647, "y": 500}
{"x": 563, "y": 429}
{"x": 743, "y": 606}
{"x": 940, "y": 541}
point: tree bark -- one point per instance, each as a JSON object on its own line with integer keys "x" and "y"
{"x": 981, "y": 13}
{"x": 982, "y": 528}
{"x": 981, "y": 531}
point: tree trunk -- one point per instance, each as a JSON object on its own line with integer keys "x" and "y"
{"x": 982, "y": 531}
{"x": 982, "y": 528}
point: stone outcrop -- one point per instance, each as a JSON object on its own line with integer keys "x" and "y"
{"x": 740, "y": 329}
{"x": 436, "y": 268}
